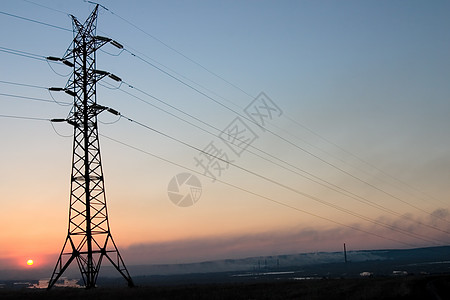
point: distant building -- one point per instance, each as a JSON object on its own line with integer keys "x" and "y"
{"x": 399, "y": 273}
{"x": 366, "y": 274}
{"x": 62, "y": 282}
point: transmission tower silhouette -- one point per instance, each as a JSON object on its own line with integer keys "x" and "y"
{"x": 89, "y": 238}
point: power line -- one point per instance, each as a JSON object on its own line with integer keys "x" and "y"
{"x": 54, "y": 71}
{"x": 230, "y": 83}
{"x": 308, "y": 152}
{"x": 31, "y": 98}
{"x": 61, "y": 135}
{"x": 170, "y": 69}
{"x": 47, "y": 7}
{"x": 284, "y": 186}
{"x": 242, "y": 90}
{"x": 340, "y": 169}
{"x": 254, "y": 173}
{"x": 23, "y": 84}
{"x": 162, "y": 42}
{"x": 34, "y": 21}
{"x": 288, "y": 117}
{"x": 171, "y": 48}
{"x": 293, "y": 207}
{"x": 22, "y": 53}
{"x": 286, "y": 140}
{"x": 256, "y": 194}
{"x": 24, "y": 118}
{"x": 34, "y": 56}
{"x": 316, "y": 179}
{"x": 218, "y": 76}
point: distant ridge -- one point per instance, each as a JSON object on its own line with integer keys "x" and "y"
{"x": 289, "y": 261}
{"x": 323, "y": 264}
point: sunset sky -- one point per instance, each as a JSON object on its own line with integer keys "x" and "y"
{"x": 354, "y": 148}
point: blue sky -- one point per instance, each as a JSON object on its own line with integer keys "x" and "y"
{"x": 366, "y": 83}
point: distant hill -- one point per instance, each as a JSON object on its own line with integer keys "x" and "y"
{"x": 256, "y": 263}
{"x": 318, "y": 264}
{"x": 364, "y": 263}
{"x": 387, "y": 262}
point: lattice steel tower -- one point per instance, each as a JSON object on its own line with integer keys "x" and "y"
{"x": 89, "y": 239}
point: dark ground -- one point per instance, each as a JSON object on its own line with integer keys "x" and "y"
{"x": 398, "y": 274}
{"x": 405, "y": 287}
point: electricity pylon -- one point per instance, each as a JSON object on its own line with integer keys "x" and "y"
{"x": 89, "y": 238}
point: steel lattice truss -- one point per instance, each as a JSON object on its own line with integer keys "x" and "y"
{"x": 89, "y": 239}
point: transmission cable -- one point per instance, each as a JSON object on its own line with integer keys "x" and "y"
{"x": 289, "y": 118}
{"x": 285, "y": 186}
{"x": 210, "y": 97}
{"x": 24, "y": 118}
{"x": 22, "y": 53}
{"x": 316, "y": 179}
{"x": 169, "y": 47}
{"x": 168, "y": 68}
{"x": 147, "y": 94}
{"x": 31, "y": 98}
{"x": 223, "y": 79}
{"x": 256, "y": 194}
{"x": 286, "y": 140}
{"x": 35, "y": 21}
{"x": 282, "y": 138}
{"x": 47, "y": 7}
{"x": 34, "y": 56}
{"x": 242, "y": 90}
{"x": 229, "y": 101}
{"x": 61, "y": 135}
{"x": 23, "y": 84}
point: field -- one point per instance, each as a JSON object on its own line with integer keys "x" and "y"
{"x": 422, "y": 273}
{"x": 406, "y": 287}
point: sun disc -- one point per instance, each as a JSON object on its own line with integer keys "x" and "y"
{"x": 30, "y": 262}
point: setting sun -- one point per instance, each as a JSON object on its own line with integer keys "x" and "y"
{"x": 30, "y": 262}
